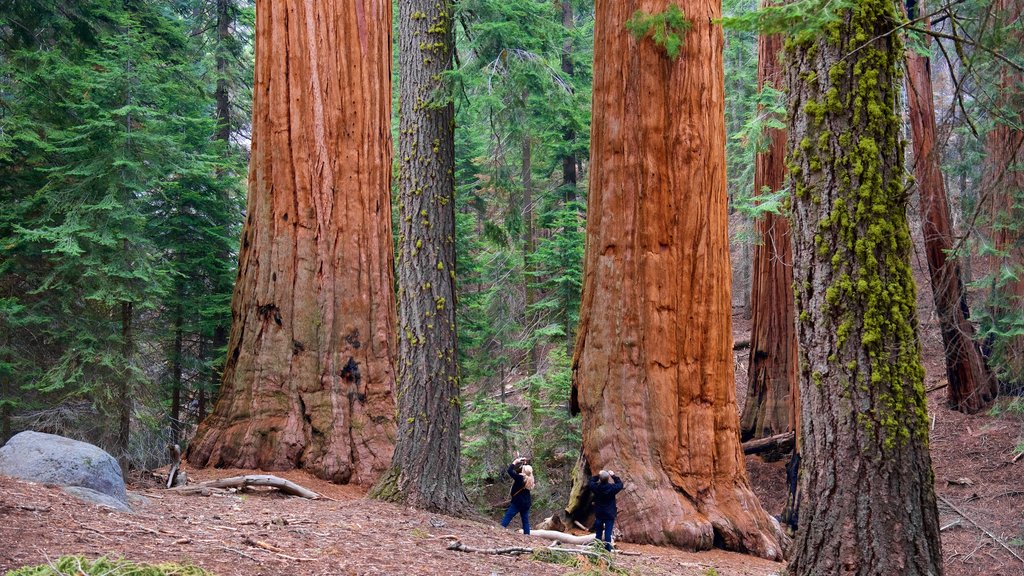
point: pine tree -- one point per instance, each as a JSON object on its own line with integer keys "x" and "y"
{"x": 866, "y": 480}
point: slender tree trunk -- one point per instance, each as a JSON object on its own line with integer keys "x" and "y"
{"x": 426, "y": 472}
{"x": 569, "y": 161}
{"x": 222, "y": 97}
{"x": 529, "y": 247}
{"x": 6, "y": 394}
{"x": 222, "y": 94}
{"x": 176, "y": 382}
{"x": 309, "y": 380}
{"x": 971, "y": 383}
{"x": 866, "y": 479}
{"x": 124, "y": 415}
{"x": 653, "y": 369}
{"x": 772, "y": 391}
{"x": 1005, "y": 186}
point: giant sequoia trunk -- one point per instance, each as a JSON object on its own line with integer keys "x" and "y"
{"x": 309, "y": 379}
{"x": 866, "y": 480}
{"x": 971, "y": 384}
{"x": 426, "y": 472}
{"x": 771, "y": 405}
{"x": 653, "y": 369}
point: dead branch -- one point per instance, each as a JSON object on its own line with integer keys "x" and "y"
{"x": 784, "y": 441}
{"x": 516, "y": 550}
{"x": 935, "y": 388}
{"x": 510, "y": 550}
{"x": 286, "y": 486}
{"x": 980, "y": 527}
{"x": 240, "y": 553}
{"x": 273, "y": 549}
{"x": 172, "y": 476}
{"x": 563, "y": 537}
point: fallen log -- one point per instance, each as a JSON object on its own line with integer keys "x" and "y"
{"x": 286, "y": 486}
{"x": 517, "y": 550}
{"x": 562, "y": 537}
{"x": 781, "y": 442}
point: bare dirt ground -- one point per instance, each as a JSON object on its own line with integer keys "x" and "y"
{"x": 262, "y": 532}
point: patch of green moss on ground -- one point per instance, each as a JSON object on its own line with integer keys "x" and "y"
{"x": 81, "y": 566}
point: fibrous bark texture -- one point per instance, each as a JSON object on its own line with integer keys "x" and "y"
{"x": 972, "y": 385}
{"x": 309, "y": 380}
{"x": 426, "y": 472}
{"x": 653, "y": 368}
{"x": 1004, "y": 184}
{"x": 772, "y": 390}
{"x": 868, "y": 499}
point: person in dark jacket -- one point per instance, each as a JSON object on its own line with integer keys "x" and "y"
{"x": 522, "y": 482}
{"x": 604, "y": 487}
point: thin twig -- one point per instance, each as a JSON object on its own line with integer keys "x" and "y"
{"x": 980, "y": 527}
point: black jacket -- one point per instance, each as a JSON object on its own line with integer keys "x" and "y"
{"x": 604, "y": 495}
{"x": 520, "y": 495}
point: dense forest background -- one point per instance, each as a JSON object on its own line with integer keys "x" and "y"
{"x": 124, "y": 136}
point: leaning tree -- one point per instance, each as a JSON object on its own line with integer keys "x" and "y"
{"x": 653, "y": 367}
{"x": 868, "y": 499}
{"x": 309, "y": 380}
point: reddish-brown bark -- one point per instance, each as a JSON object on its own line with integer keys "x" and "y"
{"x": 772, "y": 392}
{"x": 1004, "y": 184}
{"x": 971, "y": 383}
{"x": 653, "y": 368}
{"x": 309, "y": 379}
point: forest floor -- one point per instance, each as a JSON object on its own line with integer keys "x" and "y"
{"x": 262, "y": 532}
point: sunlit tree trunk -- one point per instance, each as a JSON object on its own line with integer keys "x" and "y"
{"x": 426, "y": 472}
{"x": 653, "y": 369}
{"x": 971, "y": 384}
{"x": 772, "y": 390}
{"x": 868, "y": 499}
{"x": 309, "y": 380}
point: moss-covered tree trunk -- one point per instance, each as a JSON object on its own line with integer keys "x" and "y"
{"x": 972, "y": 385}
{"x": 653, "y": 369}
{"x": 309, "y": 381}
{"x": 1004, "y": 181}
{"x": 426, "y": 472}
{"x": 868, "y": 503}
{"x": 772, "y": 390}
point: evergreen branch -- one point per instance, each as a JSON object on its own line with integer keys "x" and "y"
{"x": 972, "y": 44}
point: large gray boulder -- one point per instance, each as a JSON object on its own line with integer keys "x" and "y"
{"x": 50, "y": 459}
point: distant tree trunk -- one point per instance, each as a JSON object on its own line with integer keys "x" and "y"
{"x": 309, "y": 380}
{"x": 772, "y": 390}
{"x": 653, "y": 369}
{"x": 426, "y": 472}
{"x": 971, "y": 383}
{"x": 1005, "y": 186}
{"x": 866, "y": 479}
{"x": 222, "y": 94}
{"x": 176, "y": 373}
{"x": 529, "y": 247}
{"x": 124, "y": 402}
{"x": 569, "y": 161}
{"x": 5, "y": 409}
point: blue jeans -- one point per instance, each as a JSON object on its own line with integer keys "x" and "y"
{"x": 603, "y": 530}
{"x": 513, "y": 509}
